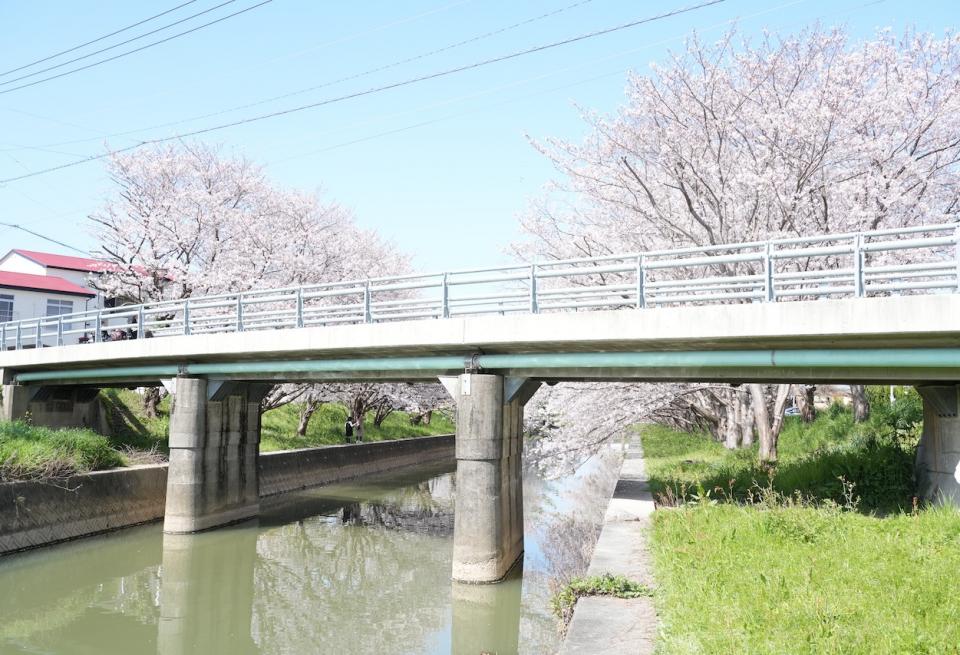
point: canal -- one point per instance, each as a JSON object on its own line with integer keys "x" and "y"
{"x": 348, "y": 568}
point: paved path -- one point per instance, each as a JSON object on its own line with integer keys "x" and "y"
{"x": 613, "y": 626}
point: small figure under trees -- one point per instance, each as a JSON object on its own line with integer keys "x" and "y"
{"x": 733, "y": 142}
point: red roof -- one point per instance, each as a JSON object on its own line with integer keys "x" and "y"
{"x": 52, "y": 283}
{"x": 67, "y": 262}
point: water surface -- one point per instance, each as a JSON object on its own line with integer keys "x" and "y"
{"x": 349, "y": 568}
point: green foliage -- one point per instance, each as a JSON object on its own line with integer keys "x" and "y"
{"x": 607, "y": 584}
{"x": 32, "y": 452}
{"x": 326, "y": 427}
{"x": 817, "y": 460}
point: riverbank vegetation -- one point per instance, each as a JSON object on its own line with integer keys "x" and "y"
{"x": 827, "y": 551}
{"x": 618, "y": 586}
{"x": 33, "y": 452}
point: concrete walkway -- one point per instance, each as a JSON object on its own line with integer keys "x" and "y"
{"x": 604, "y": 625}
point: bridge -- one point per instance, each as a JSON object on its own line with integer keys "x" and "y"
{"x": 870, "y": 307}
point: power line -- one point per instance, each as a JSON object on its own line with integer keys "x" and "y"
{"x": 135, "y": 50}
{"x": 354, "y": 76}
{"x": 43, "y": 236}
{"x": 98, "y": 39}
{"x": 379, "y": 89}
{"x": 116, "y": 45}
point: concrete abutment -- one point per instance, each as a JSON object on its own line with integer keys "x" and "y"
{"x": 938, "y": 455}
{"x": 214, "y": 446}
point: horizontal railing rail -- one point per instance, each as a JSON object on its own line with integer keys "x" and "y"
{"x": 910, "y": 260}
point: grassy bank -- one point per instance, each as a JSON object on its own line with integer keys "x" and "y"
{"x": 326, "y": 428}
{"x": 825, "y": 553}
{"x": 33, "y": 452}
{"x": 28, "y": 452}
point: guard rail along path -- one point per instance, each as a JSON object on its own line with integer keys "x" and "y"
{"x": 912, "y": 260}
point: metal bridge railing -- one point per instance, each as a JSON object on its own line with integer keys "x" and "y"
{"x": 921, "y": 259}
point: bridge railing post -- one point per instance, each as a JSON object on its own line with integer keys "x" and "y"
{"x": 186, "y": 316}
{"x": 768, "y": 273}
{"x": 956, "y": 251}
{"x": 367, "y": 314}
{"x": 534, "y": 308}
{"x": 239, "y": 312}
{"x": 19, "y": 341}
{"x": 858, "y": 285}
{"x": 445, "y": 297}
{"x": 60, "y": 330}
{"x": 97, "y": 325}
{"x": 140, "y": 321}
{"x": 300, "y": 307}
{"x": 641, "y": 274}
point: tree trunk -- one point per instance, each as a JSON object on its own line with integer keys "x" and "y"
{"x": 732, "y": 430}
{"x": 306, "y": 413}
{"x": 803, "y": 399}
{"x": 768, "y": 430}
{"x": 150, "y": 401}
{"x": 861, "y": 406}
{"x": 746, "y": 419}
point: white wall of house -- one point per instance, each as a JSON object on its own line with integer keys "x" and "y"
{"x": 17, "y": 263}
{"x": 33, "y": 304}
{"x": 81, "y": 279}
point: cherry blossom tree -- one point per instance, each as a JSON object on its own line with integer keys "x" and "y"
{"x": 739, "y": 141}
{"x": 185, "y": 220}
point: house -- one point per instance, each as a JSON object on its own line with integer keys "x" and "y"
{"x": 38, "y": 284}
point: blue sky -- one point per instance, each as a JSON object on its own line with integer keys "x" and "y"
{"x": 448, "y": 191}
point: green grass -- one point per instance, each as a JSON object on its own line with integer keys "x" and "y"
{"x": 29, "y": 452}
{"x": 326, "y": 428}
{"x": 794, "y": 560}
{"x": 563, "y": 602}
{"x": 740, "y": 579}
{"x": 129, "y": 426}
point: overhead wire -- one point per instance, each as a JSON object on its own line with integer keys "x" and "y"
{"x": 116, "y": 45}
{"x": 378, "y": 89}
{"x": 347, "y": 78}
{"x": 96, "y": 40}
{"x": 135, "y": 50}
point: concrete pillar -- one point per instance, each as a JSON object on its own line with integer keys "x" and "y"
{"x": 938, "y": 455}
{"x": 214, "y": 445}
{"x": 488, "y": 515}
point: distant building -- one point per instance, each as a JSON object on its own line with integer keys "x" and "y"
{"x": 39, "y": 284}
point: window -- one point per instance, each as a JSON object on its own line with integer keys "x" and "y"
{"x": 59, "y": 307}
{"x": 6, "y": 308}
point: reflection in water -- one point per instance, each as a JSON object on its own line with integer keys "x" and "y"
{"x": 206, "y": 593}
{"x": 486, "y": 618}
{"x": 353, "y": 568}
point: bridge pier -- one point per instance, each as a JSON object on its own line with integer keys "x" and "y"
{"x": 938, "y": 455}
{"x": 214, "y": 446}
{"x": 488, "y": 510}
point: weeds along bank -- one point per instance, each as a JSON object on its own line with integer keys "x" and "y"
{"x": 828, "y": 552}
{"x": 30, "y": 452}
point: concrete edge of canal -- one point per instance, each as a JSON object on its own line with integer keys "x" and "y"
{"x": 34, "y": 514}
{"x": 604, "y": 625}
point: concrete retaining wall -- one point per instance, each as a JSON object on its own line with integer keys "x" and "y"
{"x": 290, "y": 470}
{"x": 36, "y": 513}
